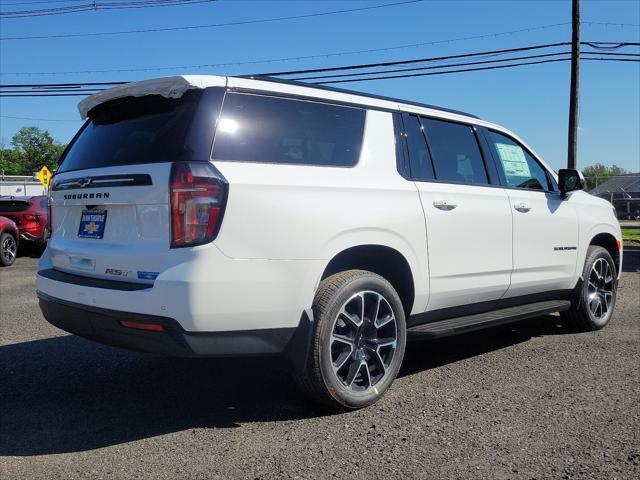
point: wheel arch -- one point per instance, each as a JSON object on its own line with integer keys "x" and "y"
{"x": 610, "y": 244}
{"x": 383, "y": 260}
{"x": 12, "y": 232}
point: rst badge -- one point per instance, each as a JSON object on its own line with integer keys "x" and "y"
{"x": 117, "y": 272}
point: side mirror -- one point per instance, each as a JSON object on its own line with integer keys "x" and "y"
{"x": 569, "y": 180}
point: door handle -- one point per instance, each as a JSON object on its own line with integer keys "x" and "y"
{"x": 445, "y": 205}
{"x": 522, "y": 207}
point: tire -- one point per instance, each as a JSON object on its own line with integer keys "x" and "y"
{"x": 352, "y": 365}
{"x": 595, "y": 297}
{"x": 8, "y": 249}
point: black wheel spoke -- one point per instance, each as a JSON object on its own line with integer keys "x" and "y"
{"x": 352, "y": 373}
{"x": 600, "y": 288}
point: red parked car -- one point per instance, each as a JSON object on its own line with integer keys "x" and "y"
{"x": 30, "y": 215}
{"x": 8, "y": 242}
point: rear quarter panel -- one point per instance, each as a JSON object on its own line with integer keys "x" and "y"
{"x": 294, "y": 212}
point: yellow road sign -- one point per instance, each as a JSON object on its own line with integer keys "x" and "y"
{"x": 44, "y": 175}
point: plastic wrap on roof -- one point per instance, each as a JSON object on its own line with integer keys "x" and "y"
{"x": 169, "y": 87}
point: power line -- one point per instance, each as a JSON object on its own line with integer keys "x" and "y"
{"x": 77, "y": 87}
{"x": 373, "y": 76}
{"x": 247, "y": 22}
{"x": 55, "y": 90}
{"x": 85, "y": 7}
{"x": 37, "y": 85}
{"x": 304, "y": 57}
{"x": 416, "y": 60}
{"x": 610, "y": 24}
{"x": 595, "y": 45}
{"x": 212, "y": 25}
{"x": 40, "y": 119}
{"x": 308, "y": 57}
{"x": 495, "y": 67}
{"x": 475, "y": 69}
{"x": 433, "y": 67}
{"x": 84, "y": 87}
{"x": 3, "y": 4}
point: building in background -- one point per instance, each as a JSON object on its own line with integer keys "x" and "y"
{"x": 20, "y": 186}
{"x": 624, "y": 194}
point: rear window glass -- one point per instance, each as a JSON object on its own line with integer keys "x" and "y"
{"x": 134, "y": 130}
{"x": 256, "y": 128}
{"x": 13, "y": 206}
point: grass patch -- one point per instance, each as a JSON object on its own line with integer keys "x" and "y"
{"x": 631, "y": 233}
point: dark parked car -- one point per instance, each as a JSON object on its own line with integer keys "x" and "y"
{"x": 8, "y": 242}
{"x": 31, "y": 216}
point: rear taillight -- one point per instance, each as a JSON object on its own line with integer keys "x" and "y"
{"x": 198, "y": 193}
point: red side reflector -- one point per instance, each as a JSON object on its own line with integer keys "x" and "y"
{"x": 619, "y": 245}
{"x": 152, "y": 327}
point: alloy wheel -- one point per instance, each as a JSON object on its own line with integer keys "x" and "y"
{"x": 8, "y": 249}
{"x": 600, "y": 289}
{"x": 363, "y": 341}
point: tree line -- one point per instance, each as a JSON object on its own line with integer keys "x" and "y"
{"x": 31, "y": 149}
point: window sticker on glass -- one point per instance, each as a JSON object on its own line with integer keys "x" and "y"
{"x": 513, "y": 160}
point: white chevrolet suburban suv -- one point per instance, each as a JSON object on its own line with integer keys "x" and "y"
{"x": 220, "y": 216}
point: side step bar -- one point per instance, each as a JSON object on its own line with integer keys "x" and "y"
{"x": 469, "y": 323}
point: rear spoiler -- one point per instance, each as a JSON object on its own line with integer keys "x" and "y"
{"x": 168, "y": 87}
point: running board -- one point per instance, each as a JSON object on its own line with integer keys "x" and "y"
{"x": 469, "y": 323}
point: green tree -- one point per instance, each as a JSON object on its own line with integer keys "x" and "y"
{"x": 10, "y": 162}
{"x": 596, "y": 174}
{"x": 36, "y": 148}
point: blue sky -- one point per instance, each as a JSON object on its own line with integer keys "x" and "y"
{"x": 532, "y": 101}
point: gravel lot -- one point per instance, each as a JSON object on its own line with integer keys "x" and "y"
{"x": 526, "y": 401}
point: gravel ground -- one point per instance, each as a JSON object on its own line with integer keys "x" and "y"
{"x": 531, "y": 400}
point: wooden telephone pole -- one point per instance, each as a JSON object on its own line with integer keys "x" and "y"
{"x": 575, "y": 81}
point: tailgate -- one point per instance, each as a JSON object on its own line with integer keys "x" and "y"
{"x": 111, "y": 222}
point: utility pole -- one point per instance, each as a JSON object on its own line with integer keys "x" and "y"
{"x": 575, "y": 81}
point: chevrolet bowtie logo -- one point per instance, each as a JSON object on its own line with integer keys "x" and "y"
{"x": 83, "y": 182}
{"x": 91, "y": 227}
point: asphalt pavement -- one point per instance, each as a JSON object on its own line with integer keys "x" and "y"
{"x": 530, "y": 400}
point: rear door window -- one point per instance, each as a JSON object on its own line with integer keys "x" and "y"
{"x": 455, "y": 152}
{"x": 264, "y": 129}
{"x": 419, "y": 156}
{"x": 519, "y": 168}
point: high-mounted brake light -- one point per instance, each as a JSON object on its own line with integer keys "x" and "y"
{"x": 198, "y": 193}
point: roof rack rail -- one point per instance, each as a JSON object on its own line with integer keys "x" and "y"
{"x": 267, "y": 78}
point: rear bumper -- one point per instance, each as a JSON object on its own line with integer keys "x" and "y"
{"x": 103, "y": 326}
{"x": 33, "y": 233}
{"x": 200, "y": 288}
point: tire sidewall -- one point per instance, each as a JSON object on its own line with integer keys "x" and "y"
{"x": 334, "y": 386}
{"x": 2, "y": 238}
{"x": 589, "y": 317}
